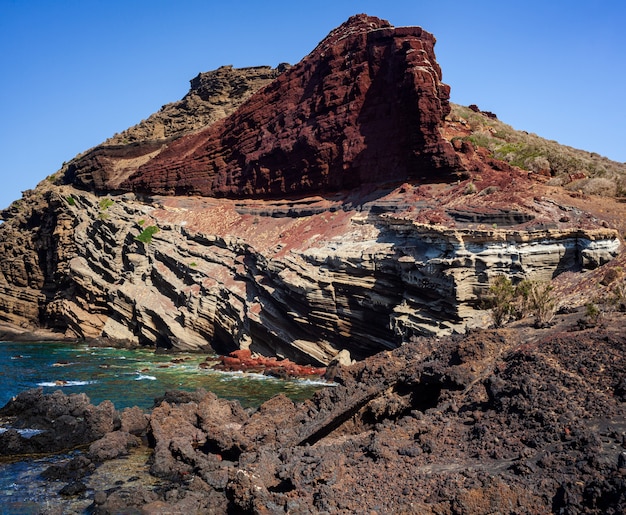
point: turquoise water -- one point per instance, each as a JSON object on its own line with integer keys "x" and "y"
{"x": 127, "y": 378}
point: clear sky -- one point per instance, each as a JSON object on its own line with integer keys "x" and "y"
{"x": 74, "y": 72}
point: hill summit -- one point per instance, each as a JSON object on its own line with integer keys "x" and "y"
{"x": 365, "y": 106}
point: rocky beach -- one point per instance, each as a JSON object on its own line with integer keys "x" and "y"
{"x": 460, "y": 285}
{"x": 531, "y": 420}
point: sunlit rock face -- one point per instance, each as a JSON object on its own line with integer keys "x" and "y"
{"x": 364, "y": 107}
{"x": 297, "y": 211}
{"x": 301, "y": 279}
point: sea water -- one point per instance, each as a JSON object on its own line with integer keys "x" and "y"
{"x": 125, "y": 377}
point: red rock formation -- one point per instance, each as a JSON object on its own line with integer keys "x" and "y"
{"x": 364, "y": 107}
{"x": 242, "y": 361}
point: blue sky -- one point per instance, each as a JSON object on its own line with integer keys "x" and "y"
{"x": 74, "y": 72}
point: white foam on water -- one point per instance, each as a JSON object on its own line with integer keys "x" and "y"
{"x": 141, "y": 377}
{"x": 65, "y": 383}
{"x": 316, "y": 382}
{"x": 26, "y": 432}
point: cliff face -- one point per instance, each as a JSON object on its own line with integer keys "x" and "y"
{"x": 397, "y": 228}
{"x": 366, "y": 106}
{"x": 213, "y": 95}
{"x": 302, "y": 279}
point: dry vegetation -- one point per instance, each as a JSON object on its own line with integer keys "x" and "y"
{"x": 574, "y": 169}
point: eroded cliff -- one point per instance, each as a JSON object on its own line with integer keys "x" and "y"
{"x": 363, "y": 107}
{"x": 335, "y": 208}
{"x": 299, "y": 279}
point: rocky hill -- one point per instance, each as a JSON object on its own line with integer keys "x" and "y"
{"x": 336, "y": 204}
{"x": 213, "y": 95}
{"x": 341, "y": 204}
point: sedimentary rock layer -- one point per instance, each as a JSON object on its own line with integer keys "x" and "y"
{"x": 213, "y": 95}
{"x": 302, "y": 280}
{"x": 291, "y": 266}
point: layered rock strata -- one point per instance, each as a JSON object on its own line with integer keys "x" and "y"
{"x": 219, "y": 277}
{"x": 378, "y": 245}
{"x": 213, "y": 95}
{"x": 364, "y": 107}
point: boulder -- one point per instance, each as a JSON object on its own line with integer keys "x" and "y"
{"x": 65, "y": 422}
{"x": 113, "y": 445}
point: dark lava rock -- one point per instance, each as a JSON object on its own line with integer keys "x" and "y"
{"x": 75, "y": 469}
{"x": 113, "y": 445}
{"x": 134, "y": 420}
{"x": 73, "y": 489}
{"x": 67, "y": 421}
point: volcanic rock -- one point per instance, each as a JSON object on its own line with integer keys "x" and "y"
{"x": 303, "y": 276}
{"x": 213, "y": 95}
{"x": 467, "y": 424}
{"x": 64, "y": 422}
{"x": 364, "y": 107}
{"x": 112, "y": 445}
{"x": 242, "y": 361}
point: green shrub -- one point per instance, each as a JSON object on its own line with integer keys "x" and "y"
{"x": 536, "y": 299}
{"x": 70, "y": 200}
{"x": 600, "y": 186}
{"x": 592, "y": 312}
{"x": 106, "y": 203}
{"x": 500, "y": 300}
{"x": 470, "y": 189}
{"x": 527, "y": 298}
{"x": 146, "y": 235}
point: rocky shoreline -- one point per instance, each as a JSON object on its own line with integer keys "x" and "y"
{"x": 519, "y": 419}
{"x": 332, "y": 210}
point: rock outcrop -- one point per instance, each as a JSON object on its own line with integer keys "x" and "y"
{"x": 213, "y": 95}
{"x": 364, "y": 107}
{"x": 495, "y": 421}
{"x": 302, "y": 282}
{"x": 60, "y": 422}
{"x": 383, "y": 241}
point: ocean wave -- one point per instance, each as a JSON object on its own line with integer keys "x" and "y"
{"x": 316, "y": 382}
{"x": 141, "y": 377}
{"x": 63, "y": 383}
{"x": 237, "y": 374}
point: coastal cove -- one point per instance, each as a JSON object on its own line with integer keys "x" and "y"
{"x": 319, "y": 288}
{"x": 130, "y": 377}
{"x": 125, "y": 377}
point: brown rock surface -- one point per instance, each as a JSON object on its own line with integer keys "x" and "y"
{"x": 297, "y": 276}
{"x": 213, "y": 95}
{"x": 507, "y": 421}
{"x": 366, "y": 106}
